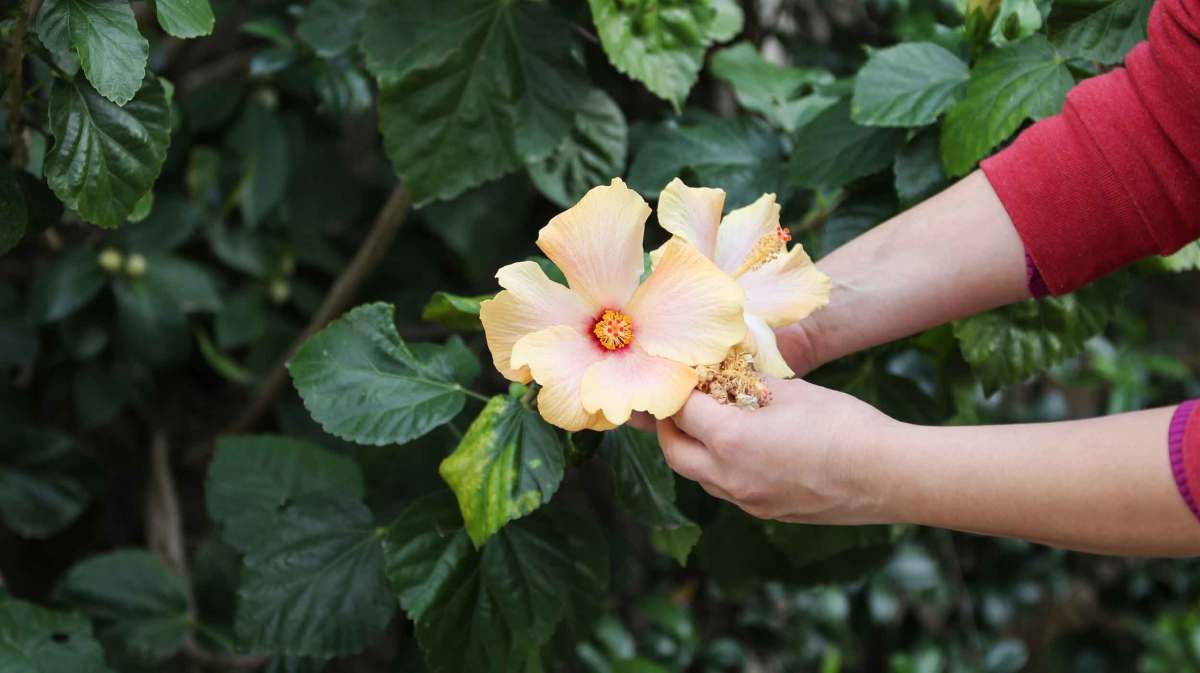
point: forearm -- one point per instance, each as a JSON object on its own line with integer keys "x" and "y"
{"x": 953, "y": 255}
{"x": 1103, "y": 485}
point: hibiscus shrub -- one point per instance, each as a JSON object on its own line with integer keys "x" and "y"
{"x": 250, "y": 418}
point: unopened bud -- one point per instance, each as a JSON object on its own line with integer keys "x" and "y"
{"x": 287, "y": 264}
{"x": 987, "y": 8}
{"x": 111, "y": 260}
{"x": 135, "y": 265}
{"x": 279, "y": 290}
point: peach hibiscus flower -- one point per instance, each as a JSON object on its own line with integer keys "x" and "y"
{"x": 781, "y": 285}
{"x": 606, "y": 346}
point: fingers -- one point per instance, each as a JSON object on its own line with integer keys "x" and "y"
{"x": 684, "y": 454}
{"x": 701, "y": 416}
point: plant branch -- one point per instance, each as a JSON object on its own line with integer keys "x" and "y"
{"x": 16, "y": 81}
{"x": 164, "y": 523}
{"x": 370, "y": 253}
{"x": 198, "y": 653}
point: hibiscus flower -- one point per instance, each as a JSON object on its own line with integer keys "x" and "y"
{"x": 606, "y": 346}
{"x": 781, "y": 285}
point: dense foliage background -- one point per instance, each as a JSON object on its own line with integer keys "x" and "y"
{"x": 190, "y": 192}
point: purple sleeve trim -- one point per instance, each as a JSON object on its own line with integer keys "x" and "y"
{"x": 1179, "y": 421}
{"x": 1034, "y": 280}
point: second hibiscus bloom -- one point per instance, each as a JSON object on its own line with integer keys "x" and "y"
{"x": 607, "y": 345}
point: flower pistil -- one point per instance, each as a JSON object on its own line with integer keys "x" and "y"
{"x": 614, "y": 330}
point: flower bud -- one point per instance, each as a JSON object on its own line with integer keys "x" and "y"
{"x": 135, "y": 265}
{"x": 279, "y": 290}
{"x": 111, "y": 260}
{"x": 287, "y": 264}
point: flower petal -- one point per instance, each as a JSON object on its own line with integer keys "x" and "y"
{"x": 786, "y": 289}
{"x": 631, "y": 379}
{"x": 692, "y": 213}
{"x": 530, "y": 302}
{"x": 687, "y": 310}
{"x": 760, "y": 340}
{"x": 598, "y": 244}
{"x": 741, "y": 230}
{"x": 558, "y": 357}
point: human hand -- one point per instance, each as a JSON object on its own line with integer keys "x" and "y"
{"x": 804, "y": 458}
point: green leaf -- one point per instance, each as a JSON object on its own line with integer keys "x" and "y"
{"x": 832, "y": 150}
{"x": 1010, "y": 344}
{"x": 260, "y": 139}
{"x": 592, "y": 154}
{"x": 65, "y": 285}
{"x": 481, "y": 88}
{"x": 454, "y": 311}
{"x": 907, "y": 85}
{"x": 37, "y": 640}
{"x": 1022, "y": 80}
{"x": 807, "y": 544}
{"x": 1100, "y": 31}
{"x": 185, "y": 18}
{"x": 314, "y": 585}
{"x": 331, "y": 27}
{"x": 193, "y": 287}
{"x": 452, "y": 360}
{"x": 105, "y": 157}
{"x": 508, "y": 464}
{"x": 105, "y": 35}
{"x": 242, "y": 319}
{"x": 151, "y": 323}
{"x": 662, "y": 44}
{"x": 918, "y": 168}
{"x": 46, "y": 480}
{"x": 252, "y": 479}
{"x": 1186, "y": 258}
{"x": 140, "y": 608}
{"x": 508, "y": 597}
{"x": 645, "y": 487}
{"x": 14, "y": 216}
{"x": 362, "y": 383}
{"x": 742, "y": 155}
{"x": 774, "y": 91}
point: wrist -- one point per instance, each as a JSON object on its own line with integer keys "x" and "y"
{"x": 888, "y": 473}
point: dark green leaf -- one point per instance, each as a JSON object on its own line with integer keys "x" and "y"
{"x": 242, "y": 319}
{"x": 152, "y": 325}
{"x": 331, "y": 27}
{"x": 1100, "y": 31}
{"x": 454, "y": 311}
{"x": 832, "y": 150}
{"x": 46, "y": 480}
{"x": 907, "y": 85}
{"x": 36, "y": 640}
{"x": 171, "y": 223}
{"x": 362, "y": 383}
{"x": 139, "y": 607}
{"x": 805, "y": 544}
{"x": 479, "y": 251}
{"x": 592, "y": 154}
{"x": 65, "y": 285}
{"x": 743, "y": 156}
{"x": 105, "y": 35}
{"x": 106, "y": 157}
{"x": 479, "y": 89}
{"x": 13, "y": 214}
{"x": 508, "y": 464}
{"x": 775, "y": 91}
{"x": 1023, "y": 80}
{"x": 918, "y": 168}
{"x": 646, "y": 489}
{"x": 451, "y": 361}
{"x": 185, "y": 18}
{"x": 314, "y": 585}
{"x": 252, "y": 479}
{"x": 260, "y": 139}
{"x": 850, "y": 221}
{"x": 192, "y": 286}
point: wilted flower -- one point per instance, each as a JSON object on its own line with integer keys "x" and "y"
{"x": 781, "y": 285}
{"x": 606, "y": 346}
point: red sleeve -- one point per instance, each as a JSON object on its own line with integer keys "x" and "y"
{"x": 1116, "y": 176}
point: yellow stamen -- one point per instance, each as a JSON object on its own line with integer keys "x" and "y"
{"x": 614, "y": 330}
{"x": 765, "y": 249}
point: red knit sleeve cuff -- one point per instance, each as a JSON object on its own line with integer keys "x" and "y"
{"x": 1183, "y": 440}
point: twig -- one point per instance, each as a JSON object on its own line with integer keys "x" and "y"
{"x": 193, "y": 650}
{"x": 164, "y": 523}
{"x": 369, "y": 254}
{"x": 16, "y": 82}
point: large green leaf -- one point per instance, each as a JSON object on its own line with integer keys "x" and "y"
{"x": 37, "y": 640}
{"x": 1010, "y": 344}
{"x": 661, "y": 44}
{"x": 743, "y": 156}
{"x": 260, "y": 139}
{"x": 185, "y": 18}
{"x": 331, "y": 27}
{"x": 476, "y": 89}
{"x": 593, "y": 153}
{"x": 645, "y": 487}
{"x": 1027, "y": 79}
{"x": 105, "y": 35}
{"x": 508, "y": 464}
{"x": 362, "y": 383}
{"x": 774, "y": 91}
{"x": 1099, "y": 31}
{"x": 253, "y": 478}
{"x": 46, "y": 480}
{"x": 65, "y": 285}
{"x": 106, "y": 157}
{"x": 490, "y": 610}
{"x": 14, "y": 215}
{"x": 140, "y": 608}
{"x": 314, "y": 585}
{"x": 151, "y": 322}
{"x": 907, "y": 85}
{"x": 832, "y": 150}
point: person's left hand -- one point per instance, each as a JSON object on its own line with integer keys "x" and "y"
{"x": 806, "y": 457}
